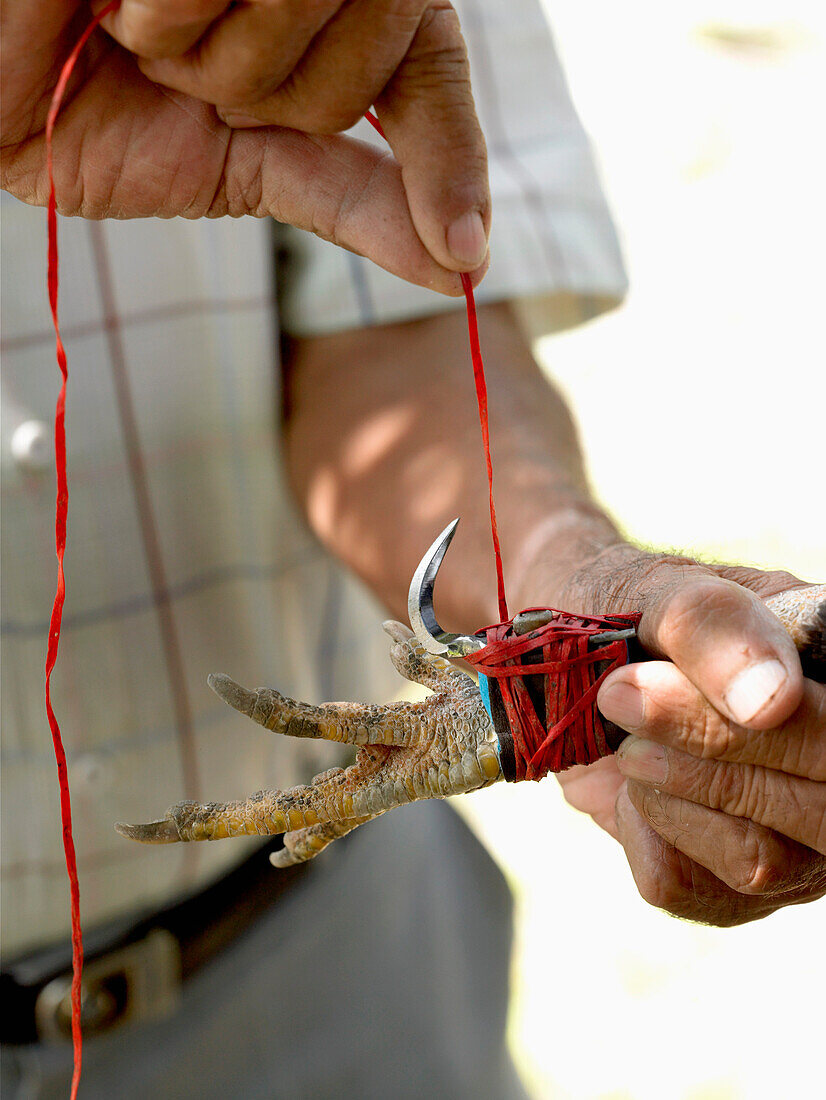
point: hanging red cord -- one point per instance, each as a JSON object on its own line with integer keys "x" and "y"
{"x": 61, "y": 517}
{"x": 482, "y": 402}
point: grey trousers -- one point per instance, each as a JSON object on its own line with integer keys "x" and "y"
{"x": 383, "y": 973}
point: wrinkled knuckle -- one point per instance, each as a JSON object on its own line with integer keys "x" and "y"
{"x": 661, "y": 891}
{"x": 439, "y": 20}
{"x": 439, "y": 49}
{"x": 239, "y": 194}
{"x": 677, "y": 894}
{"x": 713, "y": 737}
{"x": 772, "y": 866}
{"x": 732, "y": 788}
{"x": 802, "y": 806}
{"x": 706, "y": 899}
{"x": 693, "y": 733}
{"x": 763, "y": 867}
{"x": 701, "y": 732}
{"x": 329, "y": 215}
{"x": 759, "y": 878}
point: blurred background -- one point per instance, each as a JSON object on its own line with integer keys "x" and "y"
{"x": 707, "y": 123}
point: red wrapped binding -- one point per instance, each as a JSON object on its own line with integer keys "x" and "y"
{"x": 573, "y": 731}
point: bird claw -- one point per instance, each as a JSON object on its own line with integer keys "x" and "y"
{"x": 164, "y": 831}
{"x": 239, "y": 698}
{"x": 406, "y": 751}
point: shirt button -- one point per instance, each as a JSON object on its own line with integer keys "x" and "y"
{"x": 31, "y": 445}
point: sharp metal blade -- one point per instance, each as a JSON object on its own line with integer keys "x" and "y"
{"x": 420, "y": 604}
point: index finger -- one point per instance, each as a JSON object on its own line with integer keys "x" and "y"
{"x": 664, "y": 706}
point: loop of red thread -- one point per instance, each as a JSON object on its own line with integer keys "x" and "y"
{"x": 61, "y": 517}
{"x": 573, "y": 731}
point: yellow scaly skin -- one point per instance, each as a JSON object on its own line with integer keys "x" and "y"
{"x": 442, "y": 746}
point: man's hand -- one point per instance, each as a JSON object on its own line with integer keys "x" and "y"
{"x": 719, "y": 797}
{"x": 383, "y": 449}
{"x": 150, "y": 125}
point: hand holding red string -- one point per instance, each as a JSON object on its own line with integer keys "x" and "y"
{"x": 719, "y": 797}
{"x": 143, "y": 131}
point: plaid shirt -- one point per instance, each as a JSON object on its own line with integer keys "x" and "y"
{"x": 185, "y": 553}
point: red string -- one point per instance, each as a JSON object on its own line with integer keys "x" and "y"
{"x": 482, "y": 402}
{"x": 61, "y": 516}
{"x": 573, "y": 731}
{"x": 374, "y": 122}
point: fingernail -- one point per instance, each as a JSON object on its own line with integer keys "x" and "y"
{"x": 640, "y": 759}
{"x": 466, "y": 240}
{"x": 239, "y": 121}
{"x": 753, "y": 688}
{"x": 622, "y": 704}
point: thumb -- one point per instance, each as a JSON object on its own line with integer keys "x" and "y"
{"x": 727, "y": 642}
{"x": 428, "y": 115}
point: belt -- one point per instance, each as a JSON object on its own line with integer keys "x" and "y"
{"x": 135, "y": 972}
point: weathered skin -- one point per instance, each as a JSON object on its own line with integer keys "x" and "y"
{"x": 442, "y": 746}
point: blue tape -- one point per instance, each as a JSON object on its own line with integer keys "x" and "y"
{"x": 484, "y": 691}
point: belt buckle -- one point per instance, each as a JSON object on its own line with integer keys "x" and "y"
{"x": 135, "y": 983}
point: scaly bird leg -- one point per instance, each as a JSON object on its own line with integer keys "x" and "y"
{"x": 408, "y": 751}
